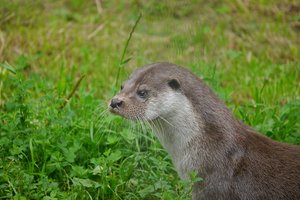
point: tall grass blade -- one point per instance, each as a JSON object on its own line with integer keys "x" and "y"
{"x": 122, "y": 61}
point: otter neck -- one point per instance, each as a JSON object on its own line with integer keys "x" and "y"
{"x": 186, "y": 136}
{"x": 176, "y": 130}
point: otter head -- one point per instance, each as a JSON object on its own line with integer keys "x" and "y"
{"x": 149, "y": 93}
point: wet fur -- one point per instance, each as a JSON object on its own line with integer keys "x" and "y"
{"x": 201, "y": 134}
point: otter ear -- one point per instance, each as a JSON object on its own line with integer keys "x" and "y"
{"x": 174, "y": 84}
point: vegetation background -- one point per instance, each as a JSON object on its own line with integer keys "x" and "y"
{"x": 53, "y": 148}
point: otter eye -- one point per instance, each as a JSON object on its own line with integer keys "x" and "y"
{"x": 142, "y": 93}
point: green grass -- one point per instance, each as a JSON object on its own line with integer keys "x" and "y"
{"x": 247, "y": 51}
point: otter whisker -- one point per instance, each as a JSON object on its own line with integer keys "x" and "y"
{"x": 143, "y": 125}
{"x": 101, "y": 116}
{"x": 104, "y": 123}
{"x": 167, "y": 121}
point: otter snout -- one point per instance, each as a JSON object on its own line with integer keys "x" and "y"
{"x": 115, "y": 103}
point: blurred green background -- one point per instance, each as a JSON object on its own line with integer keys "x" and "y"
{"x": 247, "y": 51}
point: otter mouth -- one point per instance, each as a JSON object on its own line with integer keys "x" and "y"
{"x": 116, "y": 111}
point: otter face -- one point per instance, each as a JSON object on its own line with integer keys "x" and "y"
{"x": 131, "y": 101}
{"x": 145, "y": 96}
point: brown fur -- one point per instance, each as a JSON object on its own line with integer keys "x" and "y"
{"x": 235, "y": 161}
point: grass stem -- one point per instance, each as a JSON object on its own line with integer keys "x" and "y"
{"x": 122, "y": 61}
{"x": 72, "y": 92}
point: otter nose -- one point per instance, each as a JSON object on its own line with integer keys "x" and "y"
{"x": 115, "y": 103}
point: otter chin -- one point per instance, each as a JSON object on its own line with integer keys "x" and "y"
{"x": 201, "y": 134}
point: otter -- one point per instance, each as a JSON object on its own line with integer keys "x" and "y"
{"x": 201, "y": 134}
